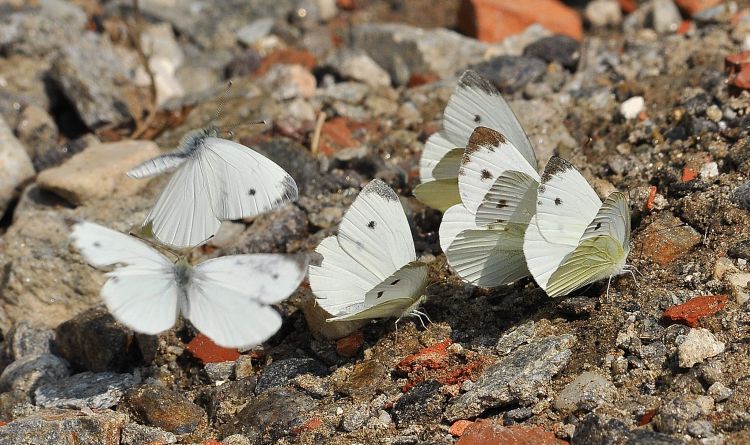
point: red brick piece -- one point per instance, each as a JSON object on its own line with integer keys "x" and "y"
{"x": 689, "y": 312}
{"x": 692, "y": 7}
{"x": 737, "y": 66}
{"x": 349, "y": 345}
{"x": 205, "y": 350}
{"x": 494, "y": 20}
{"x": 485, "y": 432}
{"x": 458, "y": 427}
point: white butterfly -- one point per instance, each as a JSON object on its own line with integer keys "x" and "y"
{"x": 483, "y": 236}
{"x": 227, "y": 298}
{"x": 475, "y": 102}
{"x": 216, "y": 179}
{"x": 370, "y": 270}
{"x": 574, "y": 239}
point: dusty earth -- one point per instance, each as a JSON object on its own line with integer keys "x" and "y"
{"x": 624, "y": 364}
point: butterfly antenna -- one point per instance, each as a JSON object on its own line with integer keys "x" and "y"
{"x": 222, "y": 101}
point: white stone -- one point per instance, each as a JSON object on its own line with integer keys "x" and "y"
{"x": 290, "y": 81}
{"x": 602, "y": 13}
{"x": 698, "y": 345}
{"x": 15, "y": 166}
{"x": 632, "y": 107}
{"x": 358, "y": 66}
{"x": 709, "y": 170}
{"x": 666, "y": 17}
{"x": 254, "y": 31}
{"x": 587, "y": 391}
{"x": 327, "y": 9}
{"x": 738, "y": 283}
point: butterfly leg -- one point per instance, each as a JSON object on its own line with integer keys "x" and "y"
{"x": 423, "y": 314}
{"x": 609, "y": 281}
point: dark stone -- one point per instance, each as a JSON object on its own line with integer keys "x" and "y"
{"x": 595, "y": 430}
{"x": 741, "y": 196}
{"x": 221, "y": 402}
{"x": 646, "y": 437}
{"x": 95, "y": 391}
{"x": 511, "y": 73}
{"x": 271, "y": 232}
{"x": 280, "y": 372}
{"x": 24, "y": 339}
{"x": 740, "y": 249}
{"x": 422, "y": 403}
{"x": 271, "y": 416}
{"x": 94, "y": 341}
{"x": 558, "y": 48}
{"x": 578, "y": 306}
{"x": 163, "y": 408}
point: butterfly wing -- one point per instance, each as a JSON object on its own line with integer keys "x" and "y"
{"x": 476, "y": 102}
{"x": 160, "y": 164}
{"x": 182, "y": 216}
{"x": 489, "y": 256}
{"x": 375, "y": 232}
{"x": 339, "y": 281}
{"x": 455, "y": 220}
{"x": 511, "y": 199}
{"x": 488, "y": 155}
{"x": 442, "y": 191}
{"x": 241, "y": 182}
{"x": 391, "y": 297}
{"x": 436, "y": 148}
{"x": 141, "y": 294}
{"x": 228, "y": 298}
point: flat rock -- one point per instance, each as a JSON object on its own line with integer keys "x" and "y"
{"x": 280, "y": 372}
{"x": 157, "y": 406}
{"x": 558, "y": 48}
{"x": 676, "y": 414}
{"x": 65, "y": 427}
{"x": 27, "y": 373}
{"x": 87, "y": 389}
{"x": 422, "y": 403}
{"x": 516, "y": 379}
{"x": 91, "y": 76}
{"x": 698, "y": 345}
{"x": 136, "y": 434}
{"x": 99, "y": 172}
{"x": 15, "y": 166}
{"x": 486, "y": 432}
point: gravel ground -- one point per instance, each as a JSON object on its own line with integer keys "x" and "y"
{"x": 642, "y": 104}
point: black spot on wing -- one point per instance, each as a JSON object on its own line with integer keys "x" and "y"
{"x": 477, "y": 118}
{"x": 598, "y": 226}
{"x": 558, "y": 201}
{"x": 275, "y": 276}
{"x": 486, "y": 174}
{"x": 380, "y": 294}
{"x": 97, "y": 244}
{"x": 395, "y": 282}
{"x": 502, "y": 203}
{"x": 251, "y": 192}
{"x": 371, "y": 224}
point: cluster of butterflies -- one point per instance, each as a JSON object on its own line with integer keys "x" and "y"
{"x": 502, "y": 222}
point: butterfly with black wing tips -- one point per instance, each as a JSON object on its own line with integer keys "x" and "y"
{"x": 227, "y": 298}
{"x": 215, "y": 180}
{"x": 475, "y": 102}
{"x": 482, "y": 237}
{"x": 574, "y": 239}
{"x": 369, "y": 270}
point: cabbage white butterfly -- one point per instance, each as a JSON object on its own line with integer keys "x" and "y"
{"x": 574, "y": 239}
{"x": 216, "y": 179}
{"x": 482, "y": 237}
{"x": 227, "y": 298}
{"x": 369, "y": 270}
{"x": 474, "y": 102}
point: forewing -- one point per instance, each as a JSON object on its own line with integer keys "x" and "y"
{"x": 566, "y": 203}
{"x": 241, "y": 182}
{"x": 160, "y": 164}
{"x": 489, "y": 257}
{"x": 375, "y": 232}
{"x": 266, "y": 278}
{"x": 511, "y": 199}
{"x": 476, "y": 102}
{"x": 102, "y": 246}
{"x": 339, "y": 281}
{"x": 594, "y": 259}
{"x": 488, "y": 155}
{"x": 182, "y": 216}
{"x": 455, "y": 220}
{"x": 543, "y": 256}
{"x": 613, "y": 219}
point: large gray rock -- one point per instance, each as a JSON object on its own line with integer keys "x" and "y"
{"x": 41, "y": 27}
{"x": 85, "y": 390}
{"x": 27, "y": 373}
{"x": 403, "y": 50}
{"x": 25, "y": 339}
{"x": 516, "y": 379}
{"x": 91, "y": 76}
{"x": 15, "y": 166}
{"x": 65, "y": 427}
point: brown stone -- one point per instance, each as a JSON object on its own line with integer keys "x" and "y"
{"x": 163, "y": 408}
{"x": 667, "y": 239}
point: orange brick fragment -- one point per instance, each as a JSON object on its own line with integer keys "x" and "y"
{"x": 205, "y": 350}
{"x": 458, "y": 427}
{"x": 349, "y": 345}
{"x": 689, "y": 312}
{"x": 485, "y": 432}
{"x": 688, "y": 174}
